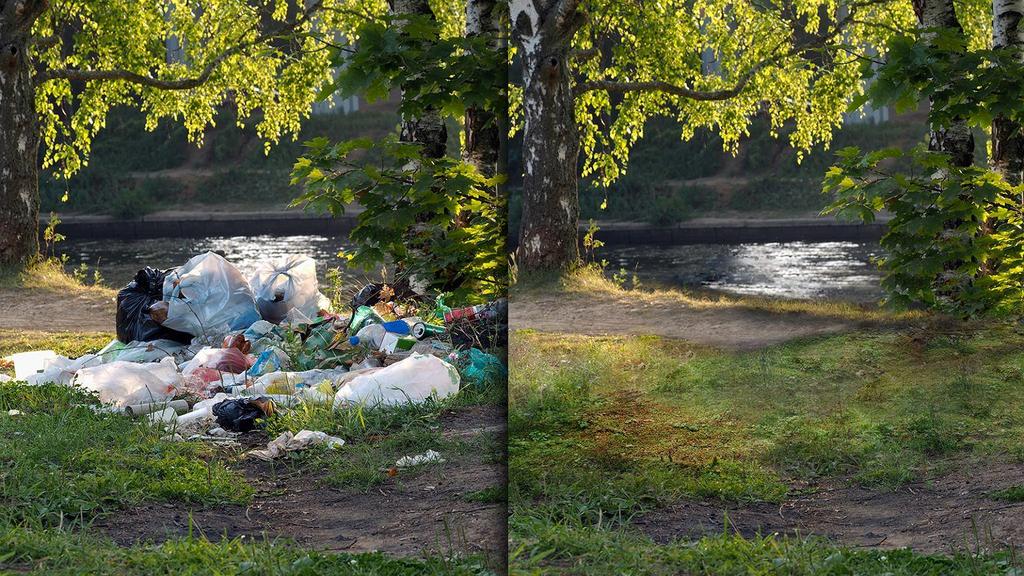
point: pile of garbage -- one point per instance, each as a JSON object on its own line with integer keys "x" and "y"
{"x": 207, "y": 353}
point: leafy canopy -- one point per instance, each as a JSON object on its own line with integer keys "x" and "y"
{"x": 716, "y": 64}
{"x": 267, "y": 58}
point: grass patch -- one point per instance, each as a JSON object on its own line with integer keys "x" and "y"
{"x": 50, "y": 551}
{"x": 604, "y": 428}
{"x": 541, "y": 547}
{"x": 49, "y": 275}
{"x": 375, "y": 439}
{"x": 491, "y": 495}
{"x": 63, "y": 463}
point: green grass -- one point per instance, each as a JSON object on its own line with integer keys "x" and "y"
{"x": 57, "y": 552}
{"x": 542, "y": 547}
{"x": 604, "y": 428}
{"x": 491, "y": 495}
{"x": 65, "y": 464}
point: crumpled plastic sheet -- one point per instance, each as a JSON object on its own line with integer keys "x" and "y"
{"x": 287, "y": 442}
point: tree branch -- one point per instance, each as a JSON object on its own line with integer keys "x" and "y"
{"x": 619, "y": 87}
{"x": 180, "y": 83}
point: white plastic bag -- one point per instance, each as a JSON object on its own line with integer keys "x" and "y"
{"x": 411, "y": 380}
{"x": 287, "y": 288}
{"x": 123, "y": 383}
{"x": 208, "y": 297}
{"x": 62, "y": 370}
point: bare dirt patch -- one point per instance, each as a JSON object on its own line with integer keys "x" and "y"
{"x": 595, "y": 314}
{"x": 37, "y": 309}
{"x": 952, "y": 512}
{"x": 409, "y": 515}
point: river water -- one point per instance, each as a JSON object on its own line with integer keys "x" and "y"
{"x": 839, "y": 270}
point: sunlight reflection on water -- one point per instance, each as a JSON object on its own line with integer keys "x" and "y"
{"x": 809, "y": 270}
{"x": 789, "y": 270}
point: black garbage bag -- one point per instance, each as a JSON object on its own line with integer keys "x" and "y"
{"x": 133, "y": 302}
{"x": 240, "y": 414}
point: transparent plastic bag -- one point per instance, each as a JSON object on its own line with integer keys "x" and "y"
{"x": 208, "y": 297}
{"x": 126, "y": 383}
{"x": 287, "y": 288}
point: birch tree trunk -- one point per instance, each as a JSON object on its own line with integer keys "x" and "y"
{"x": 1007, "y": 138}
{"x": 19, "y": 141}
{"x": 955, "y": 138}
{"x": 543, "y": 31}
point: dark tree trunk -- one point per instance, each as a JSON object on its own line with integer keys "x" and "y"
{"x": 1007, "y": 138}
{"x": 19, "y": 143}
{"x": 548, "y": 236}
{"x": 483, "y": 145}
{"x": 427, "y": 129}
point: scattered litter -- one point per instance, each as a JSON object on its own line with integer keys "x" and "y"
{"x": 240, "y": 415}
{"x": 206, "y": 353}
{"x": 13, "y": 412}
{"x": 480, "y": 368}
{"x": 287, "y": 442}
{"x": 27, "y": 363}
{"x": 165, "y": 416}
{"x": 428, "y": 457}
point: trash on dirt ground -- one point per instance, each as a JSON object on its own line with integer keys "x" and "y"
{"x": 208, "y": 297}
{"x": 125, "y": 383}
{"x": 428, "y": 457}
{"x": 167, "y": 416}
{"x": 287, "y": 442}
{"x": 14, "y": 412}
{"x": 194, "y": 336}
{"x": 240, "y": 414}
{"x": 412, "y": 380}
{"x": 286, "y": 288}
{"x": 231, "y": 360}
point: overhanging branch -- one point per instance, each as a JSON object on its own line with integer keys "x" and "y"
{"x": 621, "y": 87}
{"x": 178, "y": 83}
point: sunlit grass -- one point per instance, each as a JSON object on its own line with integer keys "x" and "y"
{"x": 604, "y": 428}
{"x": 49, "y": 275}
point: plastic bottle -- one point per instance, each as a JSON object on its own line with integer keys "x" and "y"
{"x": 363, "y": 316}
{"x": 482, "y": 311}
{"x": 371, "y": 336}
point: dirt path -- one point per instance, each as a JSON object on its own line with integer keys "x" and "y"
{"x": 37, "y": 309}
{"x": 405, "y": 517}
{"x": 950, "y": 513}
{"x": 595, "y": 314}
